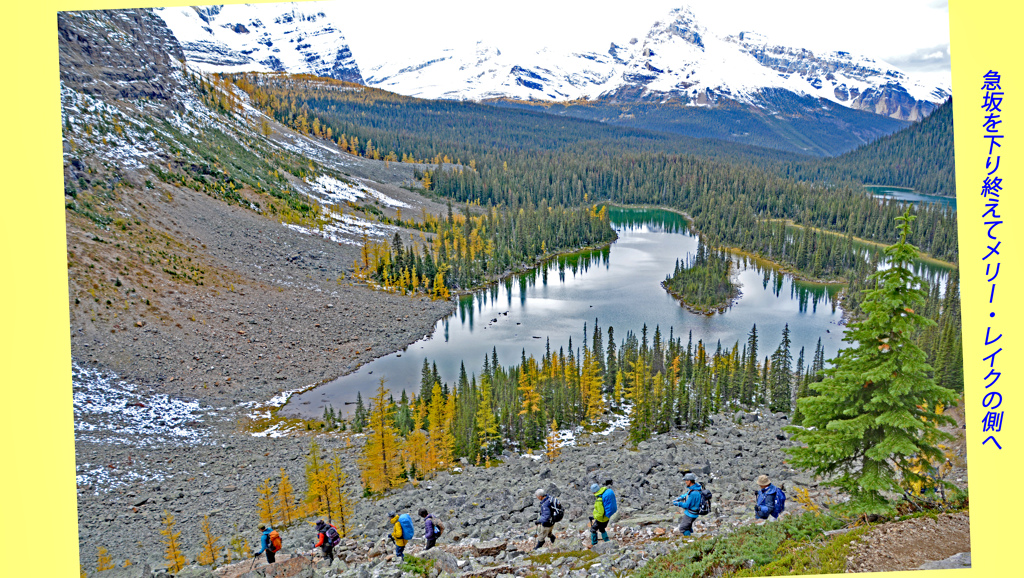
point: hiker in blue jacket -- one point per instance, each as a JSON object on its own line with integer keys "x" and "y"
{"x": 545, "y": 523}
{"x": 765, "y": 507}
{"x": 689, "y": 501}
{"x": 265, "y": 545}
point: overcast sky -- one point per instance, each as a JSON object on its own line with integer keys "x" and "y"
{"x": 911, "y": 34}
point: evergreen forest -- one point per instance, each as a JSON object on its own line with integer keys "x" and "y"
{"x": 528, "y": 184}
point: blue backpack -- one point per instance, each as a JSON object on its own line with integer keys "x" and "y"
{"x": 407, "y": 528}
{"x": 608, "y": 501}
{"x": 780, "y": 502}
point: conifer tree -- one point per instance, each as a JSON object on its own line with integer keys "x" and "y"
{"x": 591, "y": 382}
{"x": 553, "y": 446}
{"x": 172, "y": 550}
{"x": 239, "y": 545}
{"x": 286, "y": 508}
{"x": 359, "y": 419}
{"x": 314, "y": 465}
{"x": 486, "y": 422}
{"x": 379, "y": 465}
{"x": 211, "y": 551}
{"x": 340, "y": 510}
{"x": 416, "y": 450}
{"x": 875, "y": 412}
{"x": 265, "y": 502}
{"x": 439, "y": 455}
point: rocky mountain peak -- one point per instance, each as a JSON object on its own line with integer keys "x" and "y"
{"x": 680, "y": 23}
{"x": 118, "y": 54}
{"x": 298, "y": 38}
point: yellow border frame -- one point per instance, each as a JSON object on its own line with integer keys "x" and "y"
{"x": 37, "y": 484}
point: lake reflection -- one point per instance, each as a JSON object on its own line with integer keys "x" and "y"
{"x": 620, "y": 286}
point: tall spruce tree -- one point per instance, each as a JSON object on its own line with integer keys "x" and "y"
{"x": 875, "y": 414}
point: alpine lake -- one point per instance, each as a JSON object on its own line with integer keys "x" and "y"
{"x": 617, "y": 286}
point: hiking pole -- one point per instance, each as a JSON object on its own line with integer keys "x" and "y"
{"x": 254, "y": 556}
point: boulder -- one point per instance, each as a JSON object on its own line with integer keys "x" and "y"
{"x": 489, "y": 548}
{"x": 443, "y": 561}
{"x": 489, "y": 572}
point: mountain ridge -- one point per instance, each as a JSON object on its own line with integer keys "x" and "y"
{"x": 679, "y": 60}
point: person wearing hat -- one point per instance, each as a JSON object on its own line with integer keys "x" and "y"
{"x": 265, "y": 544}
{"x": 689, "y": 501}
{"x": 323, "y": 541}
{"x": 396, "y": 536}
{"x": 546, "y": 520}
{"x": 765, "y": 507}
{"x": 604, "y": 506}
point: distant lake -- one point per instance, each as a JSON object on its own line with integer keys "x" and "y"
{"x": 620, "y": 286}
{"x": 901, "y": 194}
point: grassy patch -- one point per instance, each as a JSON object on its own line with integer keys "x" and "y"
{"x": 750, "y": 547}
{"x": 417, "y": 566}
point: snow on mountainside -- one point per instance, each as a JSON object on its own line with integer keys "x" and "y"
{"x": 297, "y": 38}
{"x": 679, "y": 59}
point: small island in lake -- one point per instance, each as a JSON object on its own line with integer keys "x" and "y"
{"x": 703, "y": 284}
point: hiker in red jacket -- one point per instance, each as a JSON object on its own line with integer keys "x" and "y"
{"x": 327, "y": 539}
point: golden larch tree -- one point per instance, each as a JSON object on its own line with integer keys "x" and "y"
{"x": 265, "y": 502}
{"x": 318, "y": 480}
{"x": 416, "y": 451}
{"x": 486, "y": 421}
{"x": 379, "y": 466}
{"x": 553, "y": 445}
{"x": 341, "y": 507}
{"x": 239, "y": 546}
{"x": 286, "y": 508}
{"x": 172, "y": 549}
{"x": 438, "y": 455}
{"x": 528, "y": 379}
{"x": 211, "y": 551}
{"x": 590, "y": 386}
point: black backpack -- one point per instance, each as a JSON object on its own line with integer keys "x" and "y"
{"x": 705, "y": 501}
{"x": 557, "y": 510}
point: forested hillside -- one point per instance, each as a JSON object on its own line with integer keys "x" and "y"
{"x": 791, "y": 123}
{"x": 919, "y": 157}
{"x": 519, "y": 158}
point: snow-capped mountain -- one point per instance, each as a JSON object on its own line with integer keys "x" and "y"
{"x": 678, "y": 60}
{"x": 296, "y": 38}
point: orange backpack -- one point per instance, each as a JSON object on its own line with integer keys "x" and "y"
{"x": 275, "y": 541}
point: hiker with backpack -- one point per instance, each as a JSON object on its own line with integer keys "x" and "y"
{"x": 604, "y": 507}
{"x": 695, "y": 501}
{"x": 551, "y": 512}
{"x": 770, "y": 500}
{"x": 327, "y": 538}
{"x": 270, "y": 542}
{"x": 432, "y": 528}
{"x": 401, "y": 534}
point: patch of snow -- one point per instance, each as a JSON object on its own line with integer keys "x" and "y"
{"x": 114, "y": 412}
